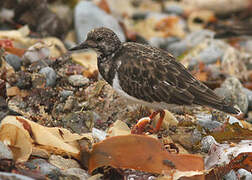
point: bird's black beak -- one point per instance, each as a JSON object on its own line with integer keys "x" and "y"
{"x": 85, "y": 45}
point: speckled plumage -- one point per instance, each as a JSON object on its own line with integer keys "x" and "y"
{"x": 148, "y": 75}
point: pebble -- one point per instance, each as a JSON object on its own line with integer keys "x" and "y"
{"x": 248, "y": 46}
{"x": 205, "y": 120}
{"x": 64, "y": 94}
{"x": 174, "y": 9}
{"x": 88, "y": 16}
{"x": 43, "y": 166}
{"x": 233, "y": 93}
{"x": 79, "y": 122}
{"x": 5, "y": 152}
{"x": 63, "y": 163}
{"x": 161, "y": 42}
{"x": 249, "y": 96}
{"x": 232, "y": 120}
{"x": 230, "y": 176}
{"x": 233, "y": 63}
{"x": 35, "y": 53}
{"x": 99, "y": 134}
{"x": 244, "y": 174}
{"x": 178, "y": 48}
{"x": 208, "y": 55}
{"x": 78, "y": 80}
{"x": 77, "y": 172}
{"x": 14, "y": 61}
{"x": 196, "y": 37}
{"x": 139, "y": 16}
{"x": 24, "y": 80}
{"x": 69, "y": 104}
{"x": 13, "y": 176}
{"x": 50, "y": 75}
{"x": 206, "y": 143}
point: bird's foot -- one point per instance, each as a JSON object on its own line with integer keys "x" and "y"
{"x": 141, "y": 125}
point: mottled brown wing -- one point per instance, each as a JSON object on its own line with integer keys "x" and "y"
{"x": 151, "y": 74}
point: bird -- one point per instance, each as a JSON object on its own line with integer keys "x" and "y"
{"x": 148, "y": 76}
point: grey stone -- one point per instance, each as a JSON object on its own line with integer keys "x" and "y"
{"x": 248, "y": 46}
{"x": 35, "y": 53}
{"x": 232, "y": 120}
{"x": 205, "y": 120}
{"x": 14, "y": 61}
{"x": 77, "y": 172}
{"x": 63, "y": 163}
{"x": 50, "y": 76}
{"x": 230, "y": 176}
{"x": 88, "y": 16}
{"x": 64, "y": 94}
{"x": 79, "y": 122}
{"x": 43, "y": 166}
{"x": 5, "y": 152}
{"x": 174, "y": 9}
{"x": 12, "y": 176}
{"x": 233, "y": 93}
{"x": 177, "y": 48}
{"x": 206, "y": 143}
{"x": 197, "y": 37}
{"x": 249, "y": 96}
{"x": 244, "y": 174}
{"x": 210, "y": 54}
{"x": 78, "y": 80}
{"x": 161, "y": 42}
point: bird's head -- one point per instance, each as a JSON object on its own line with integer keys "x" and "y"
{"x": 103, "y": 40}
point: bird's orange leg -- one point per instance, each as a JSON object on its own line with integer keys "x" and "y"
{"x": 142, "y": 123}
{"x": 160, "y": 121}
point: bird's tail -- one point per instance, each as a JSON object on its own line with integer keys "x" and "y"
{"x": 229, "y": 109}
{"x": 209, "y": 98}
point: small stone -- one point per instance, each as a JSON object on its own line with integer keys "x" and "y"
{"x": 35, "y": 53}
{"x": 233, "y": 63}
{"x": 88, "y": 16}
{"x": 230, "y": 176}
{"x": 5, "y": 152}
{"x": 79, "y": 122}
{"x": 205, "y": 120}
{"x": 69, "y": 103}
{"x": 174, "y": 9}
{"x": 50, "y": 76}
{"x": 38, "y": 80}
{"x": 12, "y": 91}
{"x": 14, "y": 61}
{"x": 23, "y": 80}
{"x": 244, "y": 174}
{"x": 78, "y": 80}
{"x": 43, "y": 166}
{"x": 13, "y": 176}
{"x": 177, "y": 48}
{"x": 210, "y": 54}
{"x": 99, "y": 134}
{"x": 161, "y": 42}
{"x": 232, "y": 120}
{"x": 63, "y": 163}
{"x": 64, "y": 94}
{"x": 249, "y": 96}
{"x": 139, "y": 16}
{"x": 196, "y": 37}
{"x": 206, "y": 143}
{"x": 233, "y": 93}
{"x": 38, "y": 152}
{"x": 77, "y": 172}
{"x": 248, "y": 46}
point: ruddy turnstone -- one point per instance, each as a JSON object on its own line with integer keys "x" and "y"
{"x": 148, "y": 75}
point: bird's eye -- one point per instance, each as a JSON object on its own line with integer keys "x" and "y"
{"x": 99, "y": 39}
